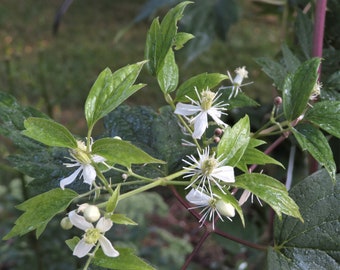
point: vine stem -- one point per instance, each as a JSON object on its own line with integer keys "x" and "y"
{"x": 319, "y": 29}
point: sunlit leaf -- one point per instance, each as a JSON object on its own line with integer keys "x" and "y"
{"x": 234, "y": 142}
{"x": 167, "y": 76}
{"x": 39, "y": 210}
{"x": 121, "y": 152}
{"x": 298, "y": 88}
{"x": 49, "y": 132}
{"x": 271, "y": 191}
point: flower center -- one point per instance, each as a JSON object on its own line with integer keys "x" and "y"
{"x": 81, "y": 154}
{"x": 208, "y": 166}
{"x": 207, "y": 99}
{"x": 92, "y": 235}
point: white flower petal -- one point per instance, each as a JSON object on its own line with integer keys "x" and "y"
{"x": 82, "y": 248}
{"x": 107, "y": 247}
{"x": 89, "y": 174}
{"x": 224, "y": 173}
{"x": 244, "y": 197}
{"x": 68, "y": 180}
{"x": 79, "y": 221}
{"x": 104, "y": 224}
{"x": 200, "y": 124}
{"x": 216, "y": 115}
{"x": 98, "y": 159}
{"x": 198, "y": 198}
{"x": 186, "y": 109}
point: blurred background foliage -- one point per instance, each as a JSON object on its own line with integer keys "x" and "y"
{"x": 54, "y": 70}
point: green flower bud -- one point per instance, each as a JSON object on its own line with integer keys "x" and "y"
{"x": 66, "y": 224}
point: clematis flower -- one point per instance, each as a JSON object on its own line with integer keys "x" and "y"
{"x": 82, "y": 159}
{"x": 241, "y": 73}
{"x": 210, "y": 205}
{"x": 208, "y": 171}
{"x": 92, "y": 236}
{"x": 202, "y": 108}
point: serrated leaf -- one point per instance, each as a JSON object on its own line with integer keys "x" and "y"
{"x": 201, "y": 82}
{"x": 121, "y": 152}
{"x": 161, "y": 37}
{"x": 167, "y": 75}
{"x": 181, "y": 38}
{"x": 49, "y": 132}
{"x": 271, "y": 191}
{"x": 122, "y": 219}
{"x": 126, "y": 260}
{"x": 113, "y": 200}
{"x": 298, "y": 88}
{"x": 110, "y": 90}
{"x": 290, "y": 60}
{"x": 313, "y": 244}
{"x": 234, "y": 142}
{"x": 304, "y": 33}
{"x": 326, "y": 115}
{"x": 39, "y": 210}
{"x": 312, "y": 140}
{"x": 274, "y": 70}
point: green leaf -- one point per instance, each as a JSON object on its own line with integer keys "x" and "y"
{"x": 312, "y": 140}
{"x": 112, "y": 202}
{"x": 122, "y": 219}
{"x": 110, "y": 90}
{"x": 167, "y": 76}
{"x": 290, "y": 60}
{"x": 274, "y": 70}
{"x": 161, "y": 38}
{"x": 121, "y": 152}
{"x": 181, "y": 38}
{"x": 39, "y": 210}
{"x": 271, "y": 191}
{"x": 201, "y": 82}
{"x": 126, "y": 260}
{"x": 241, "y": 100}
{"x": 71, "y": 243}
{"x": 49, "y": 132}
{"x": 304, "y": 33}
{"x": 326, "y": 115}
{"x": 234, "y": 142}
{"x": 298, "y": 88}
{"x": 313, "y": 244}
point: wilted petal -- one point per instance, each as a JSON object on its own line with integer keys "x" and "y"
{"x": 186, "y": 109}
{"x": 107, "y": 247}
{"x": 224, "y": 173}
{"x": 198, "y": 198}
{"x": 89, "y": 174}
{"x": 200, "y": 125}
{"x": 82, "y": 248}
{"x": 79, "y": 221}
{"x": 68, "y": 180}
{"x": 104, "y": 224}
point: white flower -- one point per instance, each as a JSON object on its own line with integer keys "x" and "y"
{"x": 211, "y": 205}
{"x": 92, "y": 235}
{"x": 208, "y": 171}
{"x": 316, "y": 91}
{"x": 203, "y": 107}
{"x": 82, "y": 159}
{"x": 241, "y": 73}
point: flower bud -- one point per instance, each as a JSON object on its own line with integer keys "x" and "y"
{"x": 225, "y": 209}
{"x": 66, "y": 224}
{"x": 217, "y": 139}
{"x": 218, "y": 132}
{"x": 278, "y": 101}
{"x": 91, "y": 213}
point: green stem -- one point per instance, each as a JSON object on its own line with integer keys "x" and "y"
{"x": 87, "y": 264}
